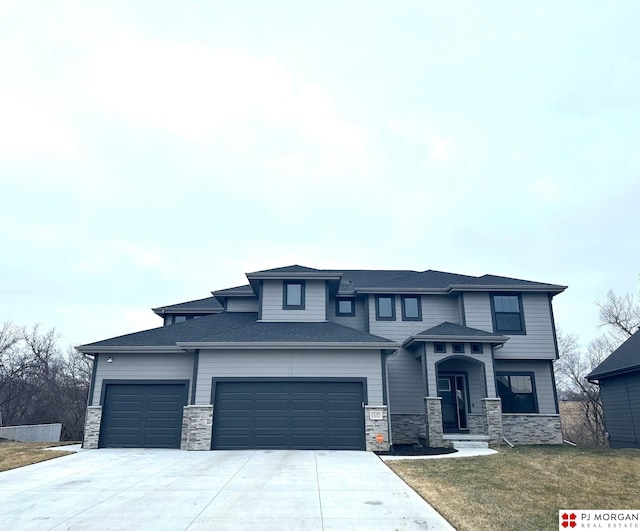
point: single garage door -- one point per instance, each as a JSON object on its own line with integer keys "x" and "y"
{"x": 288, "y": 414}
{"x": 143, "y": 415}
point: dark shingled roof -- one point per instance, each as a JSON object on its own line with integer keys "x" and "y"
{"x": 238, "y": 290}
{"x": 626, "y": 358}
{"x": 237, "y": 327}
{"x": 208, "y": 304}
{"x": 289, "y": 269}
{"x": 452, "y": 329}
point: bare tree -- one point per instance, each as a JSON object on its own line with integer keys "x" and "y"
{"x": 584, "y": 424}
{"x": 620, "y": 314}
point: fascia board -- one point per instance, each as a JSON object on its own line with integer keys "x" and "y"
{"x": 546, "y": 288}
{"x": 287, "y": 344}
{"x": 292, "y": 276}
{"x": 611, "y": 374}
{"x": 402, "y": 291}
{"x": 466, "y": 339}
{"x": 88, "y": 349}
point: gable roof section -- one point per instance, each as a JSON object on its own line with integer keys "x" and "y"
{"x": 238, "y": 291}
{"x": 235, "y": 330}
{"x": 206, "y": 305}
{"x": 624, "y": 359}
{"x": 447, "y": 331}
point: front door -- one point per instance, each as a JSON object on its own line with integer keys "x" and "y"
{"x": 453, "y": 390}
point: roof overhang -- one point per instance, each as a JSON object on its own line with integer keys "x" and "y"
{"x": 457, "y": 288}
{"x": 256, "y": 345}
{"x": 611, "y": 374}
{"x": 88, "y": 349}
{"x": 418, "y": 338}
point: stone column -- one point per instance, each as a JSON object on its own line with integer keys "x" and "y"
{"x": 197, "y": 425}
{"x": 92, "y": 427}
{"x": 376, "y": 423}
{"x": 492, "y": 412}
{"x": 433, "y": 420}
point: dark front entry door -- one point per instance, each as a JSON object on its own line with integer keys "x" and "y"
{"x": 453, "y": 390}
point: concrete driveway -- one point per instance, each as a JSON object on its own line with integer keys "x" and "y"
{"x": 243, "y": 490}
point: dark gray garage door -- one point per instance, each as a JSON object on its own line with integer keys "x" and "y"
{"x": 288, "y": 414}
{"x": 143, "y": 415}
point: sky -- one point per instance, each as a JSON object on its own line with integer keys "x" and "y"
{"x": 151, "y": 152}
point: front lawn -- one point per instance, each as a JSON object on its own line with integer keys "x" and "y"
{"x": 524, "y": 487}
{"x": 17, "y": 454}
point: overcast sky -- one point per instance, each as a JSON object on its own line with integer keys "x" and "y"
{"x": 151, "y": 152}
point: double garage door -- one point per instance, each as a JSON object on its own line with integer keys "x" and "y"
{"x": 258, "y": 413}
{"x": 288, "y": 414}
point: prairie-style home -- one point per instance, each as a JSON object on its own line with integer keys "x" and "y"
{"x": 338, "y": 359}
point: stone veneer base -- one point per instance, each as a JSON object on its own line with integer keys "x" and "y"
{"x": 197, "y": 424}
{"x": 407, "y": 428}
{"x": 520, "y": 428}
{"x": 92, "y": 427}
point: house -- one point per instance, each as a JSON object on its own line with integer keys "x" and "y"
{"x": 338, "y": 359}
{"x": 619, "y": 380}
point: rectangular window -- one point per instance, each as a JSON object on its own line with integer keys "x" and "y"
{"x": 440, "y": 348}
{"x": 517, "y": 391}
{"x": 293, "y": 296}
{"x": 477, "y": 348}
{"x": 457, "y": 348}
{"x": 507, "y": 314}
{"x": 411, "y": 308}
{"x": 345, "y": 307}
{"x": 385, "y": 308}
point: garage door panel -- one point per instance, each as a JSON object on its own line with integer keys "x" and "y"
{"x": 289, "y": 414}
{"x": 147, "y": 415}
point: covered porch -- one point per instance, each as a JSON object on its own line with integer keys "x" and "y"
{"x": 460, "y": 400}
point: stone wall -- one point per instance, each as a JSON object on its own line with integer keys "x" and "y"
{"x": 92, "y": 427}
{"x": 475, "y": 422}
{"x": 197, "y": 424}
{"x": 376, "y": 424}
{"x": 433, "y": 414}
{"x": 492, "y": 410}
{"x": 407, "y": 429}
{"x": 521, "y": 428}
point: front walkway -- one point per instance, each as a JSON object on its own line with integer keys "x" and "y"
{"x": 177, "y": 490}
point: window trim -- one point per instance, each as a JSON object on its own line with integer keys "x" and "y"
{"x": 523, "y": 330}
{"x": 478, "y": 346}
{"x": 444, "y": 347}
{"x": 403, "y": 298}
{"x": 393, "y": 308}
{"x": 345, "y": 314}
{"x": 534, "y": 391}
{"x": 285, "y": 285}
{"x": 459, "y": 346}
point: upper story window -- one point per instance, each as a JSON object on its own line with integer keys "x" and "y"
{"x": 411, "y": 308}
{"x": 440, "y": 348}
{"x": 518, "y": 392}
{"x": 507, "y": 314}
{"x": 457, "y": 348}
{"x": 293, "y": 295}
{"x": 385, "y": 308}
{"x": 345, "y": 307}
{"x": 477, "y": 348}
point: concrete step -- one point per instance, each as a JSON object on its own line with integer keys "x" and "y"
{"x": 469, "y": 444}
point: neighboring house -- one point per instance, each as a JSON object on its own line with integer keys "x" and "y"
{"x": 619, "y": 380}
{"x": 348, "y": 359}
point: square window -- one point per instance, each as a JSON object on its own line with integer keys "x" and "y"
{"x": 440, "y": 348}
{"x": 507, "y": 314}
{"x": 457, "y": 348}
{"x": 444, "y": 384}
{"x": 517, "y": 392}
{"x": 477, "y": 348}
{"x": 385, "y": 308}
{"x": 411, "y": 308}
{"x": 345, "y": 307}
{"x": 293, "y": 296}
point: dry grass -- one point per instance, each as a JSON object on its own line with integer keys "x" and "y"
{"x": 524, "y": 487}
{"x": 17, "y": 454}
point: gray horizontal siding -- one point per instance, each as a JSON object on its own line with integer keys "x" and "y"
{"x": 358, "y": 321}
{"x": 435, "y": 310}
{"x": 543, "y": 378}
{"x": 290, "y": 363}
{"x": 406, "y": 388}
{"x": 142, "y": 367}
{"x": 315, "y": 302}
{"x": 537, "y": 343}
{"x": 242, "y": 304}
{"x": 621, "y": 403}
